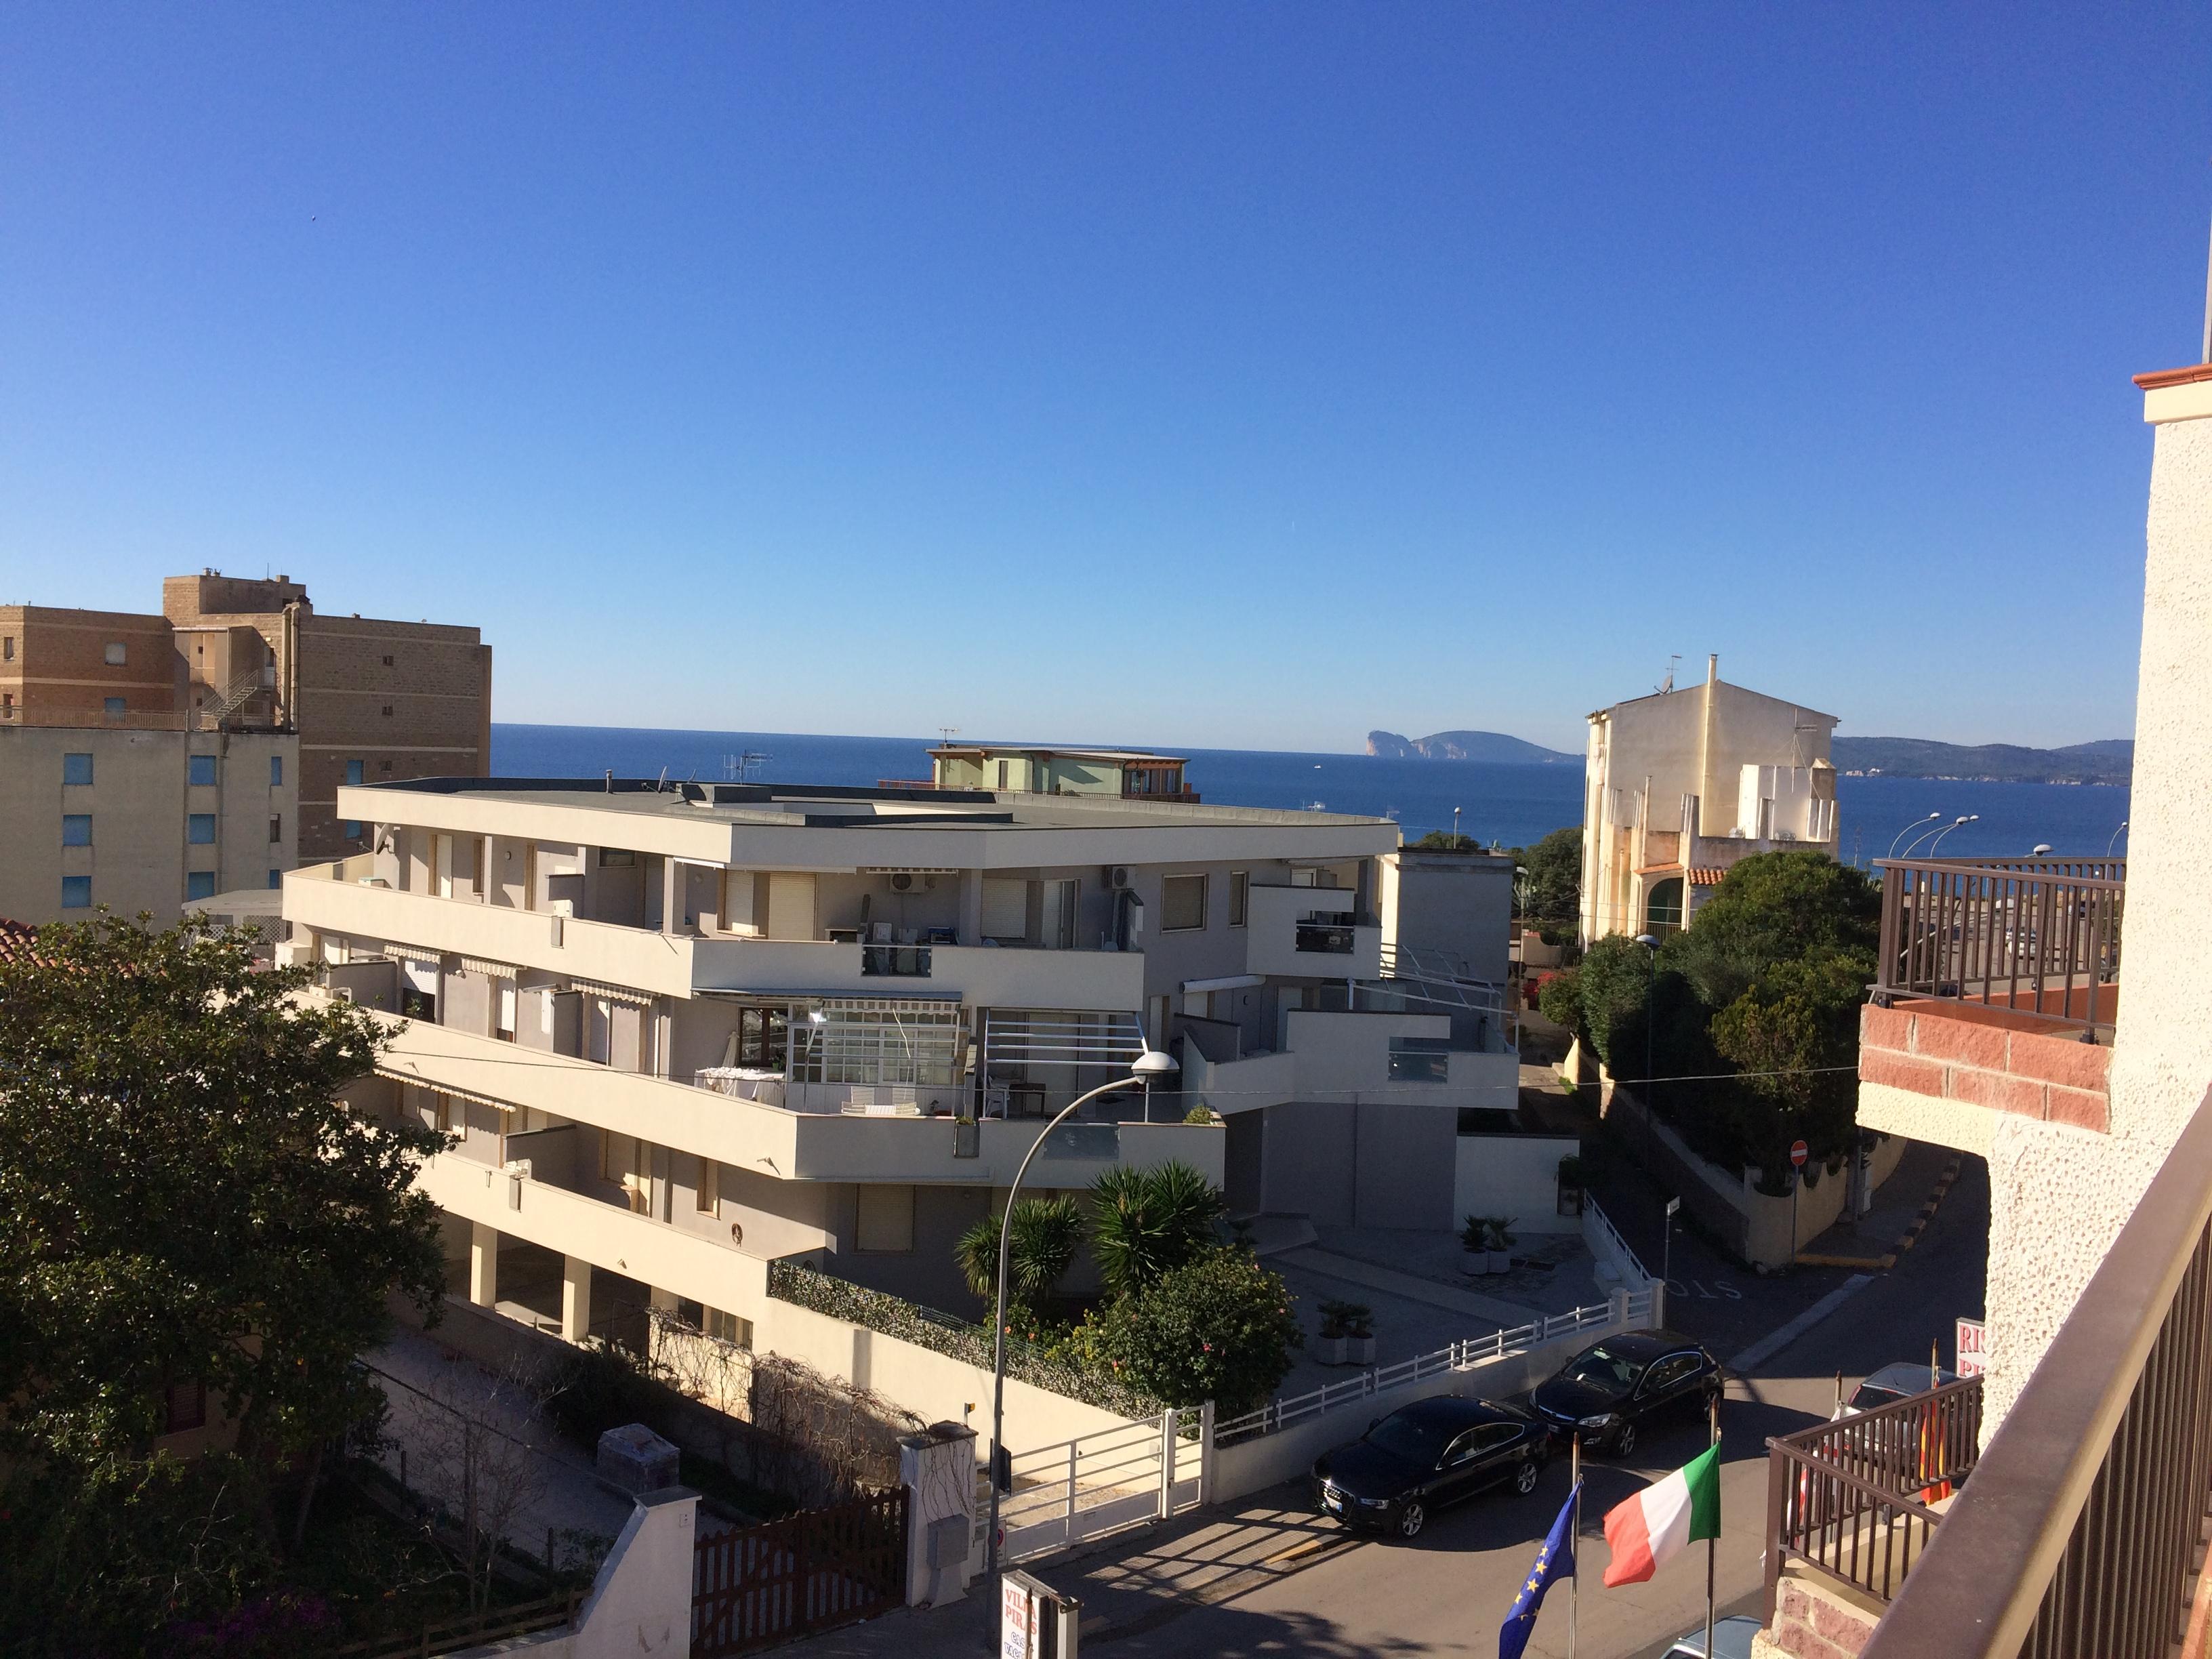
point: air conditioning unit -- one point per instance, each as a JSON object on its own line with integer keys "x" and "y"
{"x": 903, "y": 882}
{"x": 1119, "y": 878}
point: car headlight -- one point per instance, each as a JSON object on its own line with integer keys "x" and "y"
{"x": 1605, "y": 1421}
{"x": 1373, "y": 1502}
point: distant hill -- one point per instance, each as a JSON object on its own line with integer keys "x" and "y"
{"x": 1494, "y": 747}
{"x": 2109, "y": 761}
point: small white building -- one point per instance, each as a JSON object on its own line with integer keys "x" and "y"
{"x": 1683, "y": 784}
{"x": 683, "y": 1033}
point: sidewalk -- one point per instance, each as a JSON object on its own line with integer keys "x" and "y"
{"x": 1132, "y": 1581}
{"x": 1902, "y": 1205}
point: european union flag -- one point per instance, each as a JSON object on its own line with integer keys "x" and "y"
{"x": 1555, "y": 1559}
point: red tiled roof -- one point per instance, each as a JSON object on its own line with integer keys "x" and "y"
{"x": 19, "y": 943}
{"x": 2162, "y": 378}
{"x": 1706, "y": 877}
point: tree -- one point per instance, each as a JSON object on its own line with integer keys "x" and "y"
{"x": 1554, "y": 885}
{"x": 1443, "y": 840}
{"x": 1773, "y": 907}
{"x": 188, "y": 1198}
{"x": 1041, "y": 1247}
{"x": 1146, "y": 1223}
{"x": 1218, "y": 1327}
{"x": 1560, "y": 1001}
{"x": 1614, "y": 984}
{"x": 1795, "y": 1033}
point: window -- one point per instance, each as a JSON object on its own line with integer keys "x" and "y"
{"x": 76, "y": 829}
{"x": 115, "y": 656}
{"x": 275, "y": 880}
{"x": 883, "y": 1218}
{"x": 690, "y": 1313}
{"x": 76, "y": 768}
{"x": 1239, "y": 894}
{"x": 387, "y": 708}
{"x": 353, "y": 828}
{"x": 441, "y": 1114}
{"x": 184, "y": 1406}
{"x": 115, "y": 707}
{"x": 199, "y": 830}
{"x": 730, "y": 1327}
{"x": 387, "y": 662}
{"x": 355, "y": 770}
{"x": 705, "y": 1195}
{"x": 1182, "y": 903}
{"x": 616, "y": 858}
{"x": 76, "y": 892}
{"x": 880, "y": 1042}
{"x": 276, "y": 771}
{"x": 1002, "y": 775}
{"x": 199, "y": 884}
{"x": 1662, "y": 905}
{"x": 7, "y": 648}
{"x": 199, "y": 771}
{"x": 1420, "y": 1060}
{"x": 276, "y": 828}
{"x": 418, "y": 1005}
{"x": 503, "y": 1020}
{"x": 763, "y": 1038}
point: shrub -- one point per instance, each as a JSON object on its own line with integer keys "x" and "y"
{"x": 1041, "y": 1247}
{"x": 1560, "y": 999}
{"x": 604, "y": 1387}
{"x": 1218, "y": 1328}
{"x": 1201, "y": 1113}
{"x": 1146, "y": 1223}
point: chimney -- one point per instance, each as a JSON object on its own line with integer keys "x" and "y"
{"x": 1713, "y": 669}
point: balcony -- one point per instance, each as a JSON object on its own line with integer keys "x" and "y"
{"x": 1995, "y": 994}
{"x": 2081, "y": 1531}
{"x": 1310, "y": 933}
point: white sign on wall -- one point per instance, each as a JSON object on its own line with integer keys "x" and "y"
{"x": 1972, "y": 1356}
{"x": 1017, "y": 1619}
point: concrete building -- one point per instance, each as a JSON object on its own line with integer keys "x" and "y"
{"x": 684, "y": 1033}
{"x": 1682, "y": 784}
{"x": 1128, "y": 773}
{"x": 1998, "y": 1027}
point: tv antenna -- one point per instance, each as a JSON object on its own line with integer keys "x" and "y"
{"x": 1670, "y": 685}
{"x": 948, "y": 732}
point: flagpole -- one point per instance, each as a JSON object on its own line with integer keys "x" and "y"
{"x": 1713, "y": 1544}
{"x": 1575, "y": 1580}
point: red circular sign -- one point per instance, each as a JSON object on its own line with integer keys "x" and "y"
{"x": 1798, "y": 1152}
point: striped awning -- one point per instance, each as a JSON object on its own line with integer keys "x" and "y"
{"x": 489, "y": 969}
{"x": 397, "y": 1072}
{"x": 612, "y": 993}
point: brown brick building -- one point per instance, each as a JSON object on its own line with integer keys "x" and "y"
{"x": 370, "y": 701}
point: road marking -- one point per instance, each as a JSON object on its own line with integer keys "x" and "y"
{"x": 1774, "y": 1341}
{"x": 1297, "y": 1550}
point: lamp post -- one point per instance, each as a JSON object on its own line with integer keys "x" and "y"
{"x": 1917, "y": 823}
{"x": 1147, "y": 1065}
{"x": 2115, "y": 836}
{"x": 1918, "y": 839}
{"x": 1971, "y": 817}
{"x": 1651, "y": 944}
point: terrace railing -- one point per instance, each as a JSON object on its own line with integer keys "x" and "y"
{"x": 1853, "y": 1499}
{"x": 2038, "y": 936}
{"x": 2080, "y": 1531}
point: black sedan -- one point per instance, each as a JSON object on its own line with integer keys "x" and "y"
{"x": 1609, "y": 1393}
{"x": 1426, "y": 1454}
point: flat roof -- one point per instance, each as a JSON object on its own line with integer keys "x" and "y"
{"x": 1125, "y": 756}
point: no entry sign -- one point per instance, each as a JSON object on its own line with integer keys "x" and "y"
{"x": 1798, "y": 1152}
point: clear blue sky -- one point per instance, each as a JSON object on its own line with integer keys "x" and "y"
{"x": 1206, "y": 374}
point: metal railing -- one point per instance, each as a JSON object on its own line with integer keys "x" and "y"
{"x": 1281, "y": 1412}
{"x": 1325, "y": 939}
{"x": 1097, "y": 1483}
{"x": 1851, "y": 1498}
{"x": 2079, "y": 1533}
{"x": 2038, "y": 936}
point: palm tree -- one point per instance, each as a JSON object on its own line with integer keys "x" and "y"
{"x": 1040, "y": 1248}
{"x": 1147, "y": 1222}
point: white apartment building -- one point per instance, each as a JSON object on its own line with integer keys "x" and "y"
{"x": 1681, "y": 784}
{"x": 683, "y": 1033}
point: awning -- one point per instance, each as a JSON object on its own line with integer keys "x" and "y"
{"x": 612, "y": 993}
{"x": 1054, "y": 1038}
{"x": 398, "y": 1074}
{"x": 1229, "y": 982}
{"x": 841, "y": 998}
{"x": 489, "y": 969}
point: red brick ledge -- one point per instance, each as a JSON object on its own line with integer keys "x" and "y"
{"x": 2167, "y": 377}
{"x": 1950, "y": 1052}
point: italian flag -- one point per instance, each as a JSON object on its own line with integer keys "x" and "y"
{"x": 1652, "y": 1528}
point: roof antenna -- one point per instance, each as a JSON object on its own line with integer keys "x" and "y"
{"x": 660, "y": 783}
{"x": 610, "y": 780}
{"x": 2207, "y": 357}
{"x": 1670, "y": 685}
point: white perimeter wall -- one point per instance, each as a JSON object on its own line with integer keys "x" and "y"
{"x": 1516, "y": 1175}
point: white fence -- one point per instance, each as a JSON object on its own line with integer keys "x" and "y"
{"x": 1101, "y": 1482}
{"x": 1613, "y": 1252}
{"x": 1283, "y": 1410}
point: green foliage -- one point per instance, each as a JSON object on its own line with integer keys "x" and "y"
{"x": 1354, "y": 1318}
{"x": 187, "y": 1196}
{"x": 1773, "y": 907}
{"x": 1218, "y": 1327}
{"x": 1553, "y": 887}
{"x": 1614, "y": 984}
{"x": 1795, "y": 1033}
{"x": 1201, "y": 1113}
{"x": 1041, "y": 1247}
{"x": 603, "y": 1385}
{"x": 1146, "y": 1223}
{"x": 1443, "y": 840}
{"x": 1560, "y": 999}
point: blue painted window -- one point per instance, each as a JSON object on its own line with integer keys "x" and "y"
{"x": 276, "y": 771}
{"x": 76, "y": 768}
{"x": 199, "y": 830}
{"x": 200, "y": 770}
{"x": 276, "y": 879}
{"x": 115, "y": 707}
{"x": 353, "y": 828}
{"x": 200, "y": 885}
{"x": 76, "y": 829}
{"x": 354, "y": 770}
{"x": 76, "y": 892}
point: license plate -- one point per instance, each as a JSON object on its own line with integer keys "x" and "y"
{"x": 1334, "y": 1501}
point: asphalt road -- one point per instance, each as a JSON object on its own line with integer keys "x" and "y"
{"x": 1445, "y": 1593}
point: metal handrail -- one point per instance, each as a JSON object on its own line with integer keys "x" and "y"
{"x": 2077, "y": 1534}
{"x": 2038, "y": 937}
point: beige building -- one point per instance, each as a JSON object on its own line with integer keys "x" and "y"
{"x": 1128, "y": 774}
{"x": 367, "y": 701}
{"x": 687, "y": 1033}
{"x": 1683, "y": 784}
{"x": 1998, "y": 1026}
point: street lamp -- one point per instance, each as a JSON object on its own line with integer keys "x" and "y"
{"x": 2042, "y": 850}
{"x": 1142, "y": 1070}
{"x": 1917, "y": 823}
{"x": 1953, "y": 825}
{"x": 2116, "y": 834}
{"x": 1971, "y": 817}
{"x": 1651, "y": 944}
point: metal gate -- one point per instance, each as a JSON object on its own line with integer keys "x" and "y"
{"x": 814, "y": 1570}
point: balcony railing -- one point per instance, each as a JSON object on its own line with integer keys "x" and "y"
{"x": 2038, "y": 936}
{"x": 1852, "y": 1499}
{"x": 2080, "y": 1531}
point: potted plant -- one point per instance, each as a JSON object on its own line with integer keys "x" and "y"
{"x": 1334, "y": 1344}
{"x": 1474, "y": 1239}
{"x": 1573, "y": 1178}
{"x": 1499, "y": 1245}
{"x": 1359, "y": 1332}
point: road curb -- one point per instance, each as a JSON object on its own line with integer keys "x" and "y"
{"x": 1905, "y": 1240}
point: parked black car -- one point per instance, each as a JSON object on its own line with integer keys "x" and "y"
{"x": 1426, "y": 1454}
{"x": 1610, "y": 1391}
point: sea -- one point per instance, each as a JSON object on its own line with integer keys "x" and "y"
{"x": 1506, "y": 805}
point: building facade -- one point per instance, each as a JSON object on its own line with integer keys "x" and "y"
{"x": 1681, "y": 784}
{"x": 1125, "y": 773}
{"x": 686, "y": 1033}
